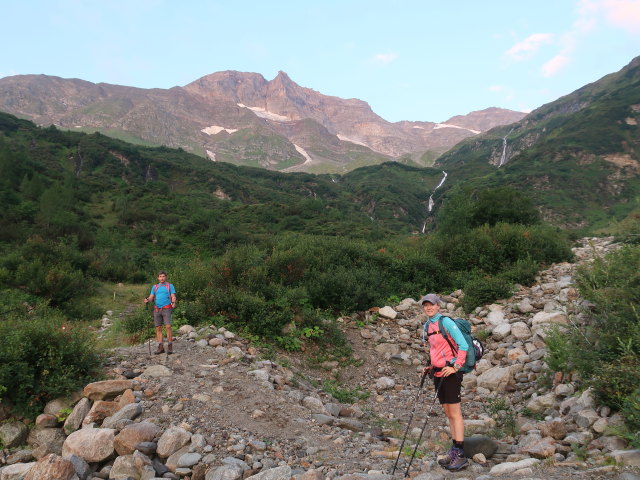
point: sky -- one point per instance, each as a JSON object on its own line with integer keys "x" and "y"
{"x": 420, "y": 60}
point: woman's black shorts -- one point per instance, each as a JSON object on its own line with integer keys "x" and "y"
{"x": 448, "y": 388}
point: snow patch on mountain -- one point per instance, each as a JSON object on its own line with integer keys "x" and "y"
{"x": 214, "y": 129}
{"x": 211, "y": 155}
{"x": 303, "y": 152}
{"x": 263, "y": 113}
{"x": 448, "y": 125}
{"x": 344, "y": 138}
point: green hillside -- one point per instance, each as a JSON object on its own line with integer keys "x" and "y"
{"x": 577, "y": 157}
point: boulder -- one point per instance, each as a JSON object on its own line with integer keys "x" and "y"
{"x": 501, "y": 331}
{"x": 125, "y": 442}
{"x": 74, "y": 420}
{"x": 91, "y": 444}
{"x": 479, "y": 444}
{"x": 51, "y": 467}
{"x": 106, "y": 389}
{"x": 124, "y": 467}
{"x": 510, "y": 467}
{"x": 45, "y": 441}
{"x": 388, "y": 349}
{"x": 388, "y": 312}
{"x": 277, "y": 473}
{"x": 496, "y": 379}
{"x": 82, "y": 468}
{"x": 314, "y": 405}
{"x": 385, "y": 383}
{"x": 172, "y": 440}
{"x": 626, "y": 457}
{"x": 157, "y": 371}
{"x": 225, "y": 472}
{"x": 100, "y": 410}
{"x": 16, "y": 472}
{"x": 521, "y": 331}
{"x": 13, "y": 433}
{"x": 128, "y": 412}
{"x": 542, "y": 402}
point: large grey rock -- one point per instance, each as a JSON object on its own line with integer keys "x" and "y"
{"x": 501, "y": 331}
{"x": 626, "y": 457}
{"x": 385, "y": 383}
{"x": 128, "y": 412}
{"x": 587, "y": 417}
{"x": 172, "y": 440}
{"x": 45, "y": 441}
{"x": 388, "y": 349}
{"x": 74, "y": 420}
{"x": 225, "y": 472}
{"x": 91, "y": 444}
{"x": 157, "y": 371}
{"x": 314, "y": 405}
{"x": 479, "y": 444}
{"x": 277, "y": 473}
{"x": 13, "y": 434}
{"x": 124, "y": 467}
{"x": 521, "y": 331}
{"x": 496, "y": 316}
{"x": 496, "y": 379}
{"x": 82, "y": 468}
{"x": 542, "y": 402}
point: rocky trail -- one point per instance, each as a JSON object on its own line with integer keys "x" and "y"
{"x": 217, "y": 410}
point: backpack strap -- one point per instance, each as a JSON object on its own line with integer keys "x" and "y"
{"x": 445, "y": 334}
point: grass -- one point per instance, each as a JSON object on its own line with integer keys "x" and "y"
{"x": 120, "y": 299}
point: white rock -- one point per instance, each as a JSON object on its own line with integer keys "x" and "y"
{"x": 495, "y": 317}
{"x": 496, "y": 379}
{"x": 521, "y": 331}
{"x": 385, "y": 383}
{"x": 157, "y": 371}
{"x": 388, "y": 312}
{"x": 501, "y": 331}
{"x": 510, "y": 467}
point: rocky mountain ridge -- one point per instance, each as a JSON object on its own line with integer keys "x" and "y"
{"x": 242, "y": 118}
{"x": 215, "y": 410}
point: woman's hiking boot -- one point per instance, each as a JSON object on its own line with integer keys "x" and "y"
{"x": 443, "y": 462}
{"x": 458, "y": 460}
{"x": 160, "y": 349}
{"x": 169, "y": 348}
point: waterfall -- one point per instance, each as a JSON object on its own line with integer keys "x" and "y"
{"x": 503, "y": 158}
{"x": 431, "y": 202}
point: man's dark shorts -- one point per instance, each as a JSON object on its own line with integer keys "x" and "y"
{"x": 449, "y": 391}
{"x": 162, "y": 316}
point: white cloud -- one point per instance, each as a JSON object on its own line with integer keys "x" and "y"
{"x": 624, "y": 14}
{"x": 529, "y": 46}
{"x": 385, "y": 58}
{"x": 553, "y": 66}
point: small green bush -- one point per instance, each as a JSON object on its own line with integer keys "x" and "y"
{"x": 41, "y": 358}
{"x": 480, "y": 290}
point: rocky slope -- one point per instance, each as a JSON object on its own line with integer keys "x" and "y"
{"x": 215, "y": 410}
{"x": 241, "y": 118}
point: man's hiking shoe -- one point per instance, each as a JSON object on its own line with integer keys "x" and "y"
{"x": 160, "y": 349}
{"x": 169, "y": 348}
{"x": 443, "y": 462}
{"x": 458, "y": 460}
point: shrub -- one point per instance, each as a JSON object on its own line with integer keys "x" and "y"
{"x": 480, "y": 290}
{"x": 42, "y": 358}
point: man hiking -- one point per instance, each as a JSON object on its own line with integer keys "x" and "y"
{"x": 164, "y": 295}
{"x": 444, "y": 366}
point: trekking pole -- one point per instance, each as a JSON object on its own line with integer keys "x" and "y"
{"x": 426, "y": 421}
{"x": 413, "y": 410}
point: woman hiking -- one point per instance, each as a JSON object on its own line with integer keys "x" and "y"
{"x": 444, "y": 366}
